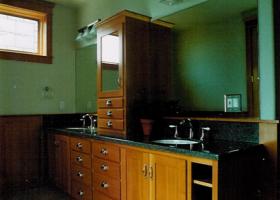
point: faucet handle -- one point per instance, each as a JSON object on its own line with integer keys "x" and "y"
{"x": 176, "y": 130}
{"x": 84, "y": 121}
{"x": 203, "y": 129}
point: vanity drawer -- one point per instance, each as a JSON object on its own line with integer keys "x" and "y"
{"x": 81, "y": 174}
{"x": 110, "y": 113}
{"x": 106, "y": 168}
{"x": 109, "y": 186}
{"x": 111, "y": 124}
{"x": 80, "y": 191}
{"x": 99, "y": 196}
{"x": 81, "y": 159}
{"x": 110, "y": 103}
{"x": 80, "y": 145}
{"x": 106, "y": 151}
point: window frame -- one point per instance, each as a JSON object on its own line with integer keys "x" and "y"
{"x": 35, "y": 10}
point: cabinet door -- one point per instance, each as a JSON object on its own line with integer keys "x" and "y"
{"x": 168, "y": 177}
{"x": 110, "y": 59}
{"x": 62, "y": 162}
{"x": 137, "y": 180}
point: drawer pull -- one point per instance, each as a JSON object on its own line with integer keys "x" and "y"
{"x": 79, "y": 145}
{"x": 145, "y": 170}
{"x": 56, "y": 143}
{"x": 79, "y": 159}
{"x": 109, "y": 124}
{"x": 108, "y": 102}
{"x": 104, "y": 185}
{"x": 109, "y": 113}
{"x": 81, "y": 193}
{"x": 104, "y": 151}
{"x": 104, "y": 167}
{"x": 80, "y": 174}
{"x": 151, "y": 172}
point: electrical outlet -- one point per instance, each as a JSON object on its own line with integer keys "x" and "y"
{"x": 61, "y": 105}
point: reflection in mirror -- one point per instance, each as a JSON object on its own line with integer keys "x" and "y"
{"x": 110, "y": 50}
{"x": 211, "y": 55}
{"x": 86, "y": 67}
{"x": 110, "y": 59}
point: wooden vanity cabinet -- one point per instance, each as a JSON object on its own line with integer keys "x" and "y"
{"x": 60, "y": 162}
{"x": 102, "y": 170}
{"x": 132, "y": 69}
{"x": 150, "y": 176}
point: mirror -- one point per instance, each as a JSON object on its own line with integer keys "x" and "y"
{"x": 211, "y": 56}
{"x": 110, "y": 59}
{"x": 86, "y": 67}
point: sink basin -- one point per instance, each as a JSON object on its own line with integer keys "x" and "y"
{"x": 82, "y": 129}
{"x": 175, "y": 141}
{"x": 77, "y": 128}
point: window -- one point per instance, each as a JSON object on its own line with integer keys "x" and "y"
{"x": 25, "y": 31}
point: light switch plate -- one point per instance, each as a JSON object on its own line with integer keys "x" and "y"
{"x": 232, "y": 102}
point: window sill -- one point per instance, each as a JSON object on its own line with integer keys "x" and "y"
{"x": 26, "y": 57}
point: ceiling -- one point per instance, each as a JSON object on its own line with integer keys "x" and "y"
{"x": 210, "y": 11}
{"x": 152, "y": 8}
{"x": 183, "y": 15}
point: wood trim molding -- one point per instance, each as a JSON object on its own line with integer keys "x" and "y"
{"x": 276, "y": 8}
{"x": 277, "y": 54}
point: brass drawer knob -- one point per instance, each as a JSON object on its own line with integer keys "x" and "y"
{"x": 104, "y": 151}
{"x": 80, "y": 174}
{"x": 109, "y": 113}
{"x": 81, "y": 193}
{"x": 79, "y": 145}
{"x": 109, "y": 124}
{"x": 79, "y": 159}
{"x": 108, "y": 102}
{"x": 104, "y": 185}
{"x": 104, "y": 167}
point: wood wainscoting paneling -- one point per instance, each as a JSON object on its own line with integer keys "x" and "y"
{"x": 20, "y": 148}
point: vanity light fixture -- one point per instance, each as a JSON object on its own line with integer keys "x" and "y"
{"x": 87, "y": 32}
{"x": 170, "y": 2}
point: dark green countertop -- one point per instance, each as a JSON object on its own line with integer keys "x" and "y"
{"x": 214, "y": 150}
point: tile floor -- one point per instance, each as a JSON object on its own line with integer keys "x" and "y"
{"x": 42, "y": 193}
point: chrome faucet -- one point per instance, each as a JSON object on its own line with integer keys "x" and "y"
{"x": 188, "y": 120}
{"x": 203, "y": 129}
{"x": 92, "y": 121}
{"x": 176, "y": 130}
{"x": 84, "y": 121}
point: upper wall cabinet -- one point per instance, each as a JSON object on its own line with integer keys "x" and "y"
{"x": 110, "y": 62}
{"x": 133, "y": 63}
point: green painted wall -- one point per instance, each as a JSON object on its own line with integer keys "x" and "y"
{"x": 86, "y": 67}
{"x": 266, "y": 60}
{"x": 22, "y": 83}
{"x": 210, "y": 62}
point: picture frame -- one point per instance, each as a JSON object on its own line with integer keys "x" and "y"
{"x": 232, "y": 103}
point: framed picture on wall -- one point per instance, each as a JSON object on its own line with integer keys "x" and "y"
{"x": 232, "y": 102}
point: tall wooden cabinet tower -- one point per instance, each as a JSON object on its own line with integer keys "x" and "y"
{"x": 133, "y": 70}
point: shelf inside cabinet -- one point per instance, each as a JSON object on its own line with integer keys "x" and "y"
{"x": 203, "y": 182}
